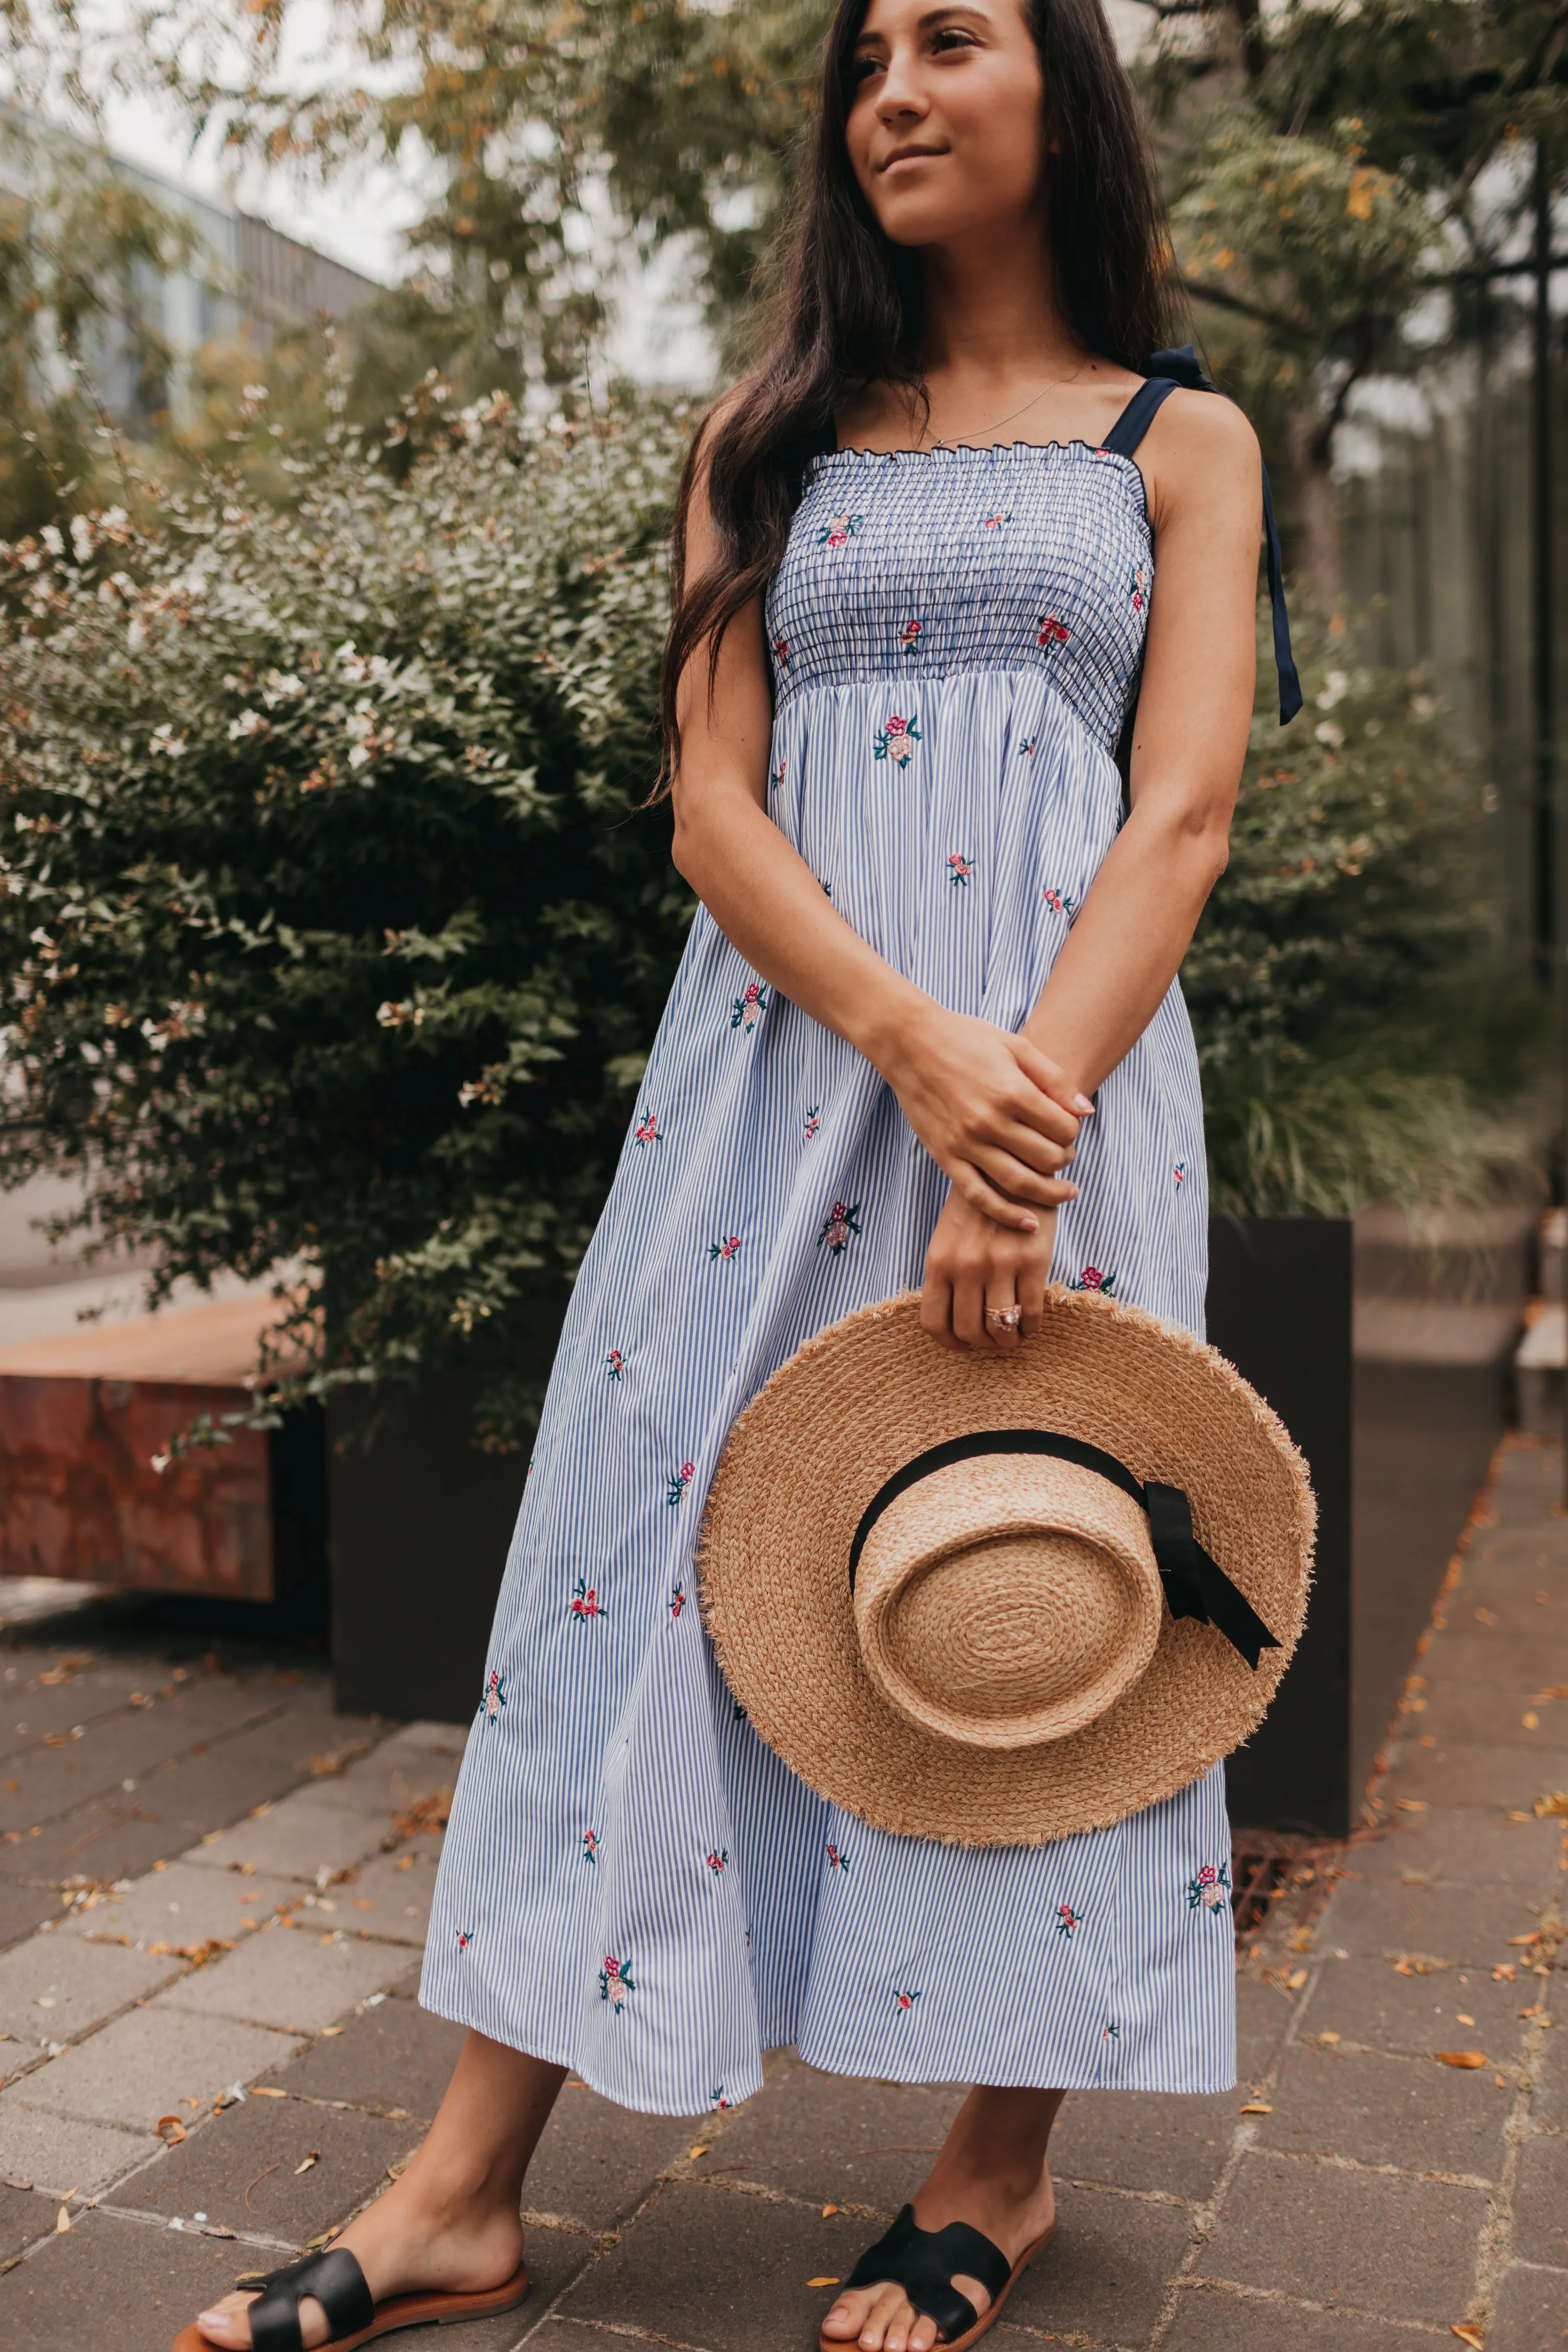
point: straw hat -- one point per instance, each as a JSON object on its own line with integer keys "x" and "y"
{"x": 961, "y": 1595}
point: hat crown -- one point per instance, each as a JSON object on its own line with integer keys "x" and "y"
{"x": 1008, "y": 1601}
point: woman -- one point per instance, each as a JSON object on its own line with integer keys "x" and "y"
{"x": 934, "y": 968}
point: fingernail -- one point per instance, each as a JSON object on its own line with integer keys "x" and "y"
{"x": 1029, "y": 1226}
{"x": 1082, "y": 1105}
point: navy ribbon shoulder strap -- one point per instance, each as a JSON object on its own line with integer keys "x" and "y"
{"x": 1181, "y": 370}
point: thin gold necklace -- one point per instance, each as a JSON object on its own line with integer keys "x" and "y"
{"x": 941, "y": 442}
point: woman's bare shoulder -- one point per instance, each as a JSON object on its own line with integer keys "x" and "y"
{"x": 1202, "y": 455}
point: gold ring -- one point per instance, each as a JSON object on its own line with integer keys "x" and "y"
{"x": 1004, "y": 1318}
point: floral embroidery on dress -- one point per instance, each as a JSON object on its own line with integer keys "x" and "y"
{"x": 1052, "y": 631}
{"x": 906, "y": 2001}
{"x": 1060, "y": 902}
{"x": 717, "y": 2099}
{"x": 1067, "y": 1919}
{"x": 615, "y": 1980}
{"x": 678, "y": 1482}
{"x": 1111, "y": 2034}
{"x": 838, "y": 1860}
{"x": 777, "y": 775}
{"x": 465, "y": 1938}
{"x": 677, "y": 1601}
{"x": 749, "y": 1009}
{"x": 842, "y": 1220}
{"x": 1138, "y": 587}
{"x": 896, "y": 739}
{"x": 1179, "y": 1173}
{"x": 615, "y": 1364}
{"x": 1026, "y": 748}
{"x": 647, "y": 1129}
{"x": 838, "y": 529}
{"x": 718, "y": 1860}
{"x": 494, "y": 1698}
{"x": 812, "y": 1120}
{"x": 590, "y": 1847}
{"x": 585, "y": 1601}
{"x": 781, "y": 650}
{"x": 910, "y": 635}
{"x": 727, "y": 1249}
{"x": 1210, "y": 1890}
{"x": 995, "y": 521}
{"x": 1091, "y": 1278}
{"x": 959, "y": 869}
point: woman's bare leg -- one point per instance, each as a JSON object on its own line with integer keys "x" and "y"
{"x": 452, "y": 2220}
{"x": 993, "y": 2174}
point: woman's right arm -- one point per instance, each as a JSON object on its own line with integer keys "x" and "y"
{"x": 993, "y": 1110}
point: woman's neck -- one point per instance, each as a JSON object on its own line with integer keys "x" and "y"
{"x": 990, "y": 314}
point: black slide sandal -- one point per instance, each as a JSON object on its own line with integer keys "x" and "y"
{"x": 924, "y": 2263}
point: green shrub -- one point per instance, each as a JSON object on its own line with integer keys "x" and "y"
{"x": 334, "y": 940}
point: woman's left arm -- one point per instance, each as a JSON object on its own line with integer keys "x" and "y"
{"x": 1202, "y": 466}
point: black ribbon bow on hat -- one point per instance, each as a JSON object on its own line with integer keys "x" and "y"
{"x": 1182, "y": 366}
{"x": 1196, "y": 1584}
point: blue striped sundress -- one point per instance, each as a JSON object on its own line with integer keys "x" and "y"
{"x": 633, "y": 1885}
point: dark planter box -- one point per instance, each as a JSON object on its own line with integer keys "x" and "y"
{"x": 1389, "y": 1368}
{"x": 1389, "y": 1365}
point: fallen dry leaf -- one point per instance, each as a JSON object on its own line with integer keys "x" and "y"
{"x": 1296, "y": 1979}
{"x": 702, "y": 2148}
{"x": 1462, "y": 2057}
{"x": 1257, "y": 2107}
{"x": 1530, "y": 1720}
{"x": 1470, "y": 2336}
{"x": 1327, "y": 2037}
{"x": 829, "y": 2211}
{"x": 170, "y": 2130}
{"x": 1555, "y": 1800}
{"x": 1539, "y": 2010}
{"x": 1486, "y": 1616}
{"x": 314, "y": 2158}
{"x": 1557, "y": 1690}
{"x": 329, "y": 2031}
{"x": 822, "y": 2282}
{"x": 1535, "y": 1937}
{"x": 1461, "y": 2018}
{"x": 264, "y": 2091}
{"x": 1410, "y": 1805}
{"x": 62, "y": 2221}
{"x": 406, "y": 1864}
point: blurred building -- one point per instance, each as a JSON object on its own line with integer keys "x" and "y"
{"x": 243, "y": 279}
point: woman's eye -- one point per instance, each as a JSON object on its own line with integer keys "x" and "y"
{"x": 954, "y": 34}
{"x": 862, "y": 67}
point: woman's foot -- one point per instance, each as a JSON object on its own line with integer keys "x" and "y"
{"x": 420, "y": 2234}
{"x": 993, "y": 2174}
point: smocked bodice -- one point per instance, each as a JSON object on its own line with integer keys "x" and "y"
{"x": 923, "y": 565}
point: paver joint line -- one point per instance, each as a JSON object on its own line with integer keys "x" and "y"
{"x": 1251, "y": 2294}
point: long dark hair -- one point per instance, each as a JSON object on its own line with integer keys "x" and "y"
{"x": 847, "y": 310}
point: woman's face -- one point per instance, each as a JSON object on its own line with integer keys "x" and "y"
{"x": 946, "y": 128}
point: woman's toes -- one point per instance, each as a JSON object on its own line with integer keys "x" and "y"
{"x": 225, "y": 2324}
{"x": 844, "y": 2319}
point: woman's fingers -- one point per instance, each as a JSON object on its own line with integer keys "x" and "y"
{"x": 1031, "y": 1289}
{"x": 1014, "y": 1216}
{"x": 1002, "y": 1299}
{"x": 1051, "y": 1077}
{"x": 936, "y": 1310}
{"x": 1048, "y": 1187}
{"x": 969, "y": 1309}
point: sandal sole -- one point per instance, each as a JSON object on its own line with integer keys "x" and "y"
{"x": 988, "y": 2319}
{"x": 430, "y": 2310}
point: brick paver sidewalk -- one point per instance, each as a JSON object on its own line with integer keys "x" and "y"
{"x": 239, "y": 1951}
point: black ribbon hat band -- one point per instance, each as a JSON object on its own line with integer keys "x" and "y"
{"x": 1195, "y": 1585}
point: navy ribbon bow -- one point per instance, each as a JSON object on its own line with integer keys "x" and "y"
{"x": 1182, "y": 366}
{"x": 1195, "y": 1585}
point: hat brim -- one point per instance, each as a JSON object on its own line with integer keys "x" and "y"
{"x": 865, "y": 1397}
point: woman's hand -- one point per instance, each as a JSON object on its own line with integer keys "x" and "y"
{"x": 973, "y": 1266}
{"x": 998, "y": 1115}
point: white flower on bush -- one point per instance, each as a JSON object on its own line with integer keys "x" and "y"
{"x": 166, "y": 739}
{"x": 52, "y": 539}
{"x": 249, "y": 723}
{"x": 407, "y": 1015}
{"x": 281, "y": 685}
{"x": 82, "y": 541}
{"x": 1334, "y": 689}
{"x": 1423, "y": 706}
{"x": 1327, "y": 732}
{"x": 135, "y": 633}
